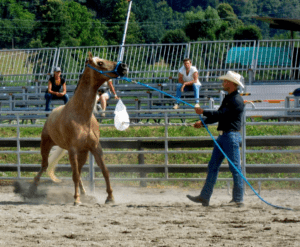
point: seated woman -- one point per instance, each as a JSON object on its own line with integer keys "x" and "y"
{"x": 105, "y": 95}
{"x": 55, "y": 84}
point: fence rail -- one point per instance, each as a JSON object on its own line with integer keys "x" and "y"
{"x": 163, "y": 145}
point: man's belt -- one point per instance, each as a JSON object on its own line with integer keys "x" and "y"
{"x": 221, "y": 132}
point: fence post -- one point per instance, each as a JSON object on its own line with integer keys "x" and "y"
{"x": 91, "y": 172}
{"x": 211, "y": 103}
{"x": 18, "y": 145}
{"x": 166, "y": 146}
{"x": 141, "y": 160}
{"x": 11, "y": 106}
{"x": 287, "y": 105}
{"x": 251, "y": 76}
{"x": 244, "y": 146}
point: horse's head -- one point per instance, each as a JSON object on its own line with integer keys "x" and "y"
{"x": 108, "y": 68}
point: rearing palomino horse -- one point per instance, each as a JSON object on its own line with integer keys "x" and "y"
{"x": 73, "y": 126}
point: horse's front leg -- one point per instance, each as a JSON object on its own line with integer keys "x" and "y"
{"x": 46, "y": 145}
{"x": 98, "y": 154}
{"x": 76, "y": 175}
{"x": 82, "y": 157}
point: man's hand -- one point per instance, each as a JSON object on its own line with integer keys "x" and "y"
{"x": 198, "y": 125}
{"x": 198, "y": 110}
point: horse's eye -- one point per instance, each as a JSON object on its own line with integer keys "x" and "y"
{"x": 100, "y": 63}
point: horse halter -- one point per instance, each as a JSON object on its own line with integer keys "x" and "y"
{"x": 118, "y": 70}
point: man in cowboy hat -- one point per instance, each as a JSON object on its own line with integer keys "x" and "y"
{"x": 229, "y": 117}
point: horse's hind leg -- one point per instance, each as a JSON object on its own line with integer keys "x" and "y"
{"x": 98, "y": 154}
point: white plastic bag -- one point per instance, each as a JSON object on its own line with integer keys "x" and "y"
{"x": 121, "y": 116}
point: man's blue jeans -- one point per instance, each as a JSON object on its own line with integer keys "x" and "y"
{"x": 49, "y": 97}
{"x": 229, "y": 142}
{"x": 194, "y": 87}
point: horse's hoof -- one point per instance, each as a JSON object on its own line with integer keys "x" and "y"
{"x": 32, "y": 191}
{"x": 110, "y": 201}
{"x": 17, "y": 187}
{"x": 54, "y": 178}
{"x": 77, "y": 203}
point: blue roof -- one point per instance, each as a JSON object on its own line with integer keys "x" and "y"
{"x": 271, "y": 56}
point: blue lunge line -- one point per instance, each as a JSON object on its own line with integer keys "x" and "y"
{"x": 241, "y": 174}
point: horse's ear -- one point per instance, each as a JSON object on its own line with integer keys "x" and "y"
{"x": 90, "y": 55}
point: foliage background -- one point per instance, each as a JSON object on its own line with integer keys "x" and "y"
{"x": 59, "y": 23}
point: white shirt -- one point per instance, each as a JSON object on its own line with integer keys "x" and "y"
{"x": 189, "y": 77}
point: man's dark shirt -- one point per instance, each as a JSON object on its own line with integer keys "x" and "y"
{"x": 229, "y": 115}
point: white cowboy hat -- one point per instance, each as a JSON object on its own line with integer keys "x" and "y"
{"x": 234, "y": 77}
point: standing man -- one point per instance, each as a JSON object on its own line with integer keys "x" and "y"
{"x": 188, "y": 81}
{"x": 229, "y": 117}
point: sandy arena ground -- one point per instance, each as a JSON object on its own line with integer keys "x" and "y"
{"x": 147, "y": 217}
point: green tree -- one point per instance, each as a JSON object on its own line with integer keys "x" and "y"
{"x": 116, "y": 28}
{"x": 243, "y": 7}
{"x": 102, "y": 9}
{"x": 203, "y": 25}
{"x": 85, "y": 30}
{"x": 194, "y": 22}
{"x": 54, "y": 26}
{"x": 268, "y": 8}
{"x": 224, "y": 32}
{"x": 171, "y": 19}
{"x": 152, "y": 27}
{"x": 67, "y": 24}
{"x": 175, "y": 36}
{"x": 229, "y": 22}
{"x": 16, "y": 24}
{"x": 289, "y": 9}
{"x": 179, "y": 5}
{"x": 250, "y": 32}
{"x": 226, "y": 13}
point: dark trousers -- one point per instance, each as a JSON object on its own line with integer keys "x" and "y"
{"x": 229, "y": 142}
{"x": 49, "y": 97}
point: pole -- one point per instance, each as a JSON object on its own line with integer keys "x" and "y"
{"x": 91, "y": 173}
{"x": 121, "y": 53}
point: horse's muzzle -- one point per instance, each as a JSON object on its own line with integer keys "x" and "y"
{"x": 122, "y": 69}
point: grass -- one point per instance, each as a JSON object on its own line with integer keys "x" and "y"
{"x": 177, "y": 158}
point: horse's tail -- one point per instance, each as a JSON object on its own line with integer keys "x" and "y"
{"x": 53, "y": 159}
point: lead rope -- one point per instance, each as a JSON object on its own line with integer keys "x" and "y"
{"x": 239, "y": 172}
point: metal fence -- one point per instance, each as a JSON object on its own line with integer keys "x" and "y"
{"x": 164, "y": 150}
{"x": 276, "y": 60}
{"x": 24, "y": 67}
{"x": 257, "y": 61}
